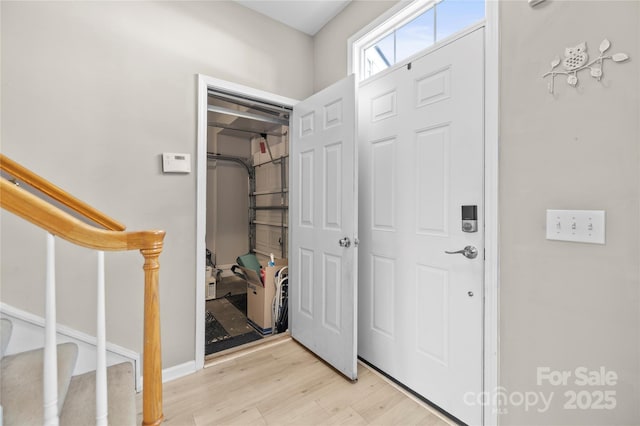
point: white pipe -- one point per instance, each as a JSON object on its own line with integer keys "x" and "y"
{"x": 50, "y": 348}
{"x": 276, "y": 305}
{"x": 102, "y": 404}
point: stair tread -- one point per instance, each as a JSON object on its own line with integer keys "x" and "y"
{"x": 80, "y": 405}
{"x": 22, "y": 385}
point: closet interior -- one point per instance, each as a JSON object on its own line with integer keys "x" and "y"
{"x": 247, "y": 214}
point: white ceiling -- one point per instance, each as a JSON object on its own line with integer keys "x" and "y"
{"x": 308, "y": 16}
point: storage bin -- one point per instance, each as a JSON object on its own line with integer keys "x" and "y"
{"x": 260, "y": 297}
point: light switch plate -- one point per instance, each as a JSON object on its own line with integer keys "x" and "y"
{"x": 584, "y": 226}
{"x": 176, "y": 163}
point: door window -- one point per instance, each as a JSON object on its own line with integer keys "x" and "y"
{"x": 428, "y": 25}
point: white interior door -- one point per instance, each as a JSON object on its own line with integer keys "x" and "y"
{"x": 323, "y": 211}
{"x": 421, "y": 159}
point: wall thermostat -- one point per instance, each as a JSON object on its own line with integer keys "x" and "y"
{"x": 176, "y": 163}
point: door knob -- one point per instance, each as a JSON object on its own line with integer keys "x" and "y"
{"x": 469, "y": 252}
{"x": 345, "y": 242}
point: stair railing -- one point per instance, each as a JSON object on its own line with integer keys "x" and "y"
{"x": 109, "y": 235}
{"x": 50, "y": 366}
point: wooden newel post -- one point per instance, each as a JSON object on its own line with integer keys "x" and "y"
{"x": 152, "y": 356}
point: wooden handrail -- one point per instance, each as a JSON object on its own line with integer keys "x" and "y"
{"x": 41, "y": 184}
{"x": 60, "y": 223}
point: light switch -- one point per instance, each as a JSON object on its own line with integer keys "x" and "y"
{"x": 584, "y": 226}
{"x": 176, "y": 163}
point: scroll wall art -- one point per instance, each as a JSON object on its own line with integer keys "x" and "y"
{"x": 576, "y": 59}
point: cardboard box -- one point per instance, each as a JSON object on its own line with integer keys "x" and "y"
{"x": 260, "y": 297}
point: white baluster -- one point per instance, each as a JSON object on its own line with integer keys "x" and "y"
{"x": 102, "y": 405}
{"x": 50, "y": 349}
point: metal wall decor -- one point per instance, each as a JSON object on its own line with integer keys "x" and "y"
{"x": 576, "y": 59}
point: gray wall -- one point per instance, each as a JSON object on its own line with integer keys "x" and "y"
{"x": 330, "y": 43}
{"x": 92, "y": 94}
{"x": 567, "y": 305}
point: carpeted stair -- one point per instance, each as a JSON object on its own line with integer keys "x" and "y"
{"x": 21, "y": 394}
{"x": 80, "y": 406}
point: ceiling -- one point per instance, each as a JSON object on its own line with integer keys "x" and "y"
{"x": 308, "y": 16}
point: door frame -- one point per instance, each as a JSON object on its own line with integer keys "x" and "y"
{"x": 491, "y": 308}
{"x": 491, "y": 177}
{"x": 204, "y": 84}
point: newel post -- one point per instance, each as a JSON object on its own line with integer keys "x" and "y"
{"x": 152, "y": 356}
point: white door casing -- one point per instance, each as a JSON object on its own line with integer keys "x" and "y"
{"x": 421, "y": 159}
{"x": 323, "y": 212}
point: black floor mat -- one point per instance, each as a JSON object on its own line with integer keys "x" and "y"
{"x": 239, "y": 301}
{"x": 216, "y": 337}
{"x": 214, "y": 331}
{"x": 231, "y": 342}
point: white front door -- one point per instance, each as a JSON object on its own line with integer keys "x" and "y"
{"x": 323, "y": 212}
{"x": 421, "y": 160}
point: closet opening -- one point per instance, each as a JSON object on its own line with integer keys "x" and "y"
{"x": 247, "y": 211}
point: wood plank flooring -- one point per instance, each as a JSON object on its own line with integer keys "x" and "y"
{"x": 284, "y": 384}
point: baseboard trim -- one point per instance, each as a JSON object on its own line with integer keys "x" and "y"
{"x": 173, "y": 373}
{"x": 178, "y": 371}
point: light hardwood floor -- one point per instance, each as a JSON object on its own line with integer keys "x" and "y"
{"x": 284, "y": 384}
